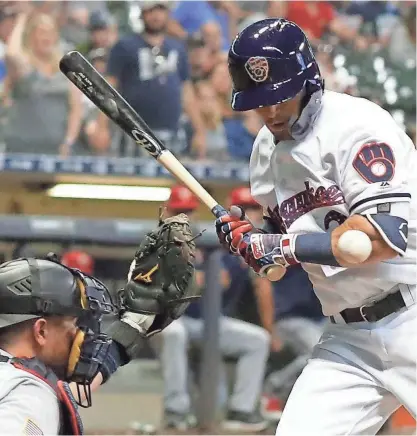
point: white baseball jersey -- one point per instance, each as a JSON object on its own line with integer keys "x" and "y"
{"x": 28, "y": 406}
{"x": 355, "y": 159}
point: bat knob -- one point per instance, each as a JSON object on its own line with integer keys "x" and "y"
{"x": 237, "y": 212}
{"x": 275, "y": 273}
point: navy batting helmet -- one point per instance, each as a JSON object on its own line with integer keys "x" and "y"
{"x": 270, "y": 62}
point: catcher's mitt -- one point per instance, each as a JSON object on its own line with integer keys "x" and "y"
{"x": 161, "y": 276}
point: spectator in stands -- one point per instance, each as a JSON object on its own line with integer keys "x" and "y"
{"x": 99, "y": 135}
{"x": 225, "y": 13}
{"x": 242, "y": 197}
{"x": 210, "y": 19}
{"x": 58, "y": 11}
{"x": 151, "y": 71}
{"x": 247, "y": 342}
{"x": 47, "y": 111}
{"x": 373, "y": 19}
{"x": 299, "y": 324}
{"x": 241, "y": 128}
{"x": 253, "y": 288}
{"x": 99, "y": 57}
{"x": 212, "y": 118}
{"x": 404, "y": 35}
{"x": 77, "y": 18}
{"x": 201, "y": 63}
{"x": 289, "y": 310}
{"x": 251, "y": 11}
{"x": 315, "y": 18}
{"x": 8, "y": 14}
{"x": 80, "y": 260}
{"x": 102, "y": 29}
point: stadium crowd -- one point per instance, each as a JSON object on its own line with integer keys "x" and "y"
{"x": 168, "y": 59}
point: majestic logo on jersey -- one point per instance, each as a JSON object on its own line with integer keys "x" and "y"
{"x": 375, "y": 162}
{"x": 257, "y": 68}
{"x": 306, "y": 201}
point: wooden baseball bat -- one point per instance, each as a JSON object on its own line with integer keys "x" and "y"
{"x": 93, "y": 85}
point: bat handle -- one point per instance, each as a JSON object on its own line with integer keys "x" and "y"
{"x": 273, "y": 273}
{"x": 218, "y": 211}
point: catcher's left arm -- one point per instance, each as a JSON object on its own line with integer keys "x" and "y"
{"x": 158, "y": 290}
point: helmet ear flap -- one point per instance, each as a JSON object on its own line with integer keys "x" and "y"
{"x": 83, "y": 296}
{"x": 77, "y": 343}
{"x": 75, "y": 352}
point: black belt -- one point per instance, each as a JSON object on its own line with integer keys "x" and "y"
{"x": 374, "y": 311}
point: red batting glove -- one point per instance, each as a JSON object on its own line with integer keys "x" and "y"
{"x": 231, "y": 230}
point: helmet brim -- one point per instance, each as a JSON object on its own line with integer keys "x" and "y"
{"x": 11, "y": 319}
{"x": 267, "y": 94}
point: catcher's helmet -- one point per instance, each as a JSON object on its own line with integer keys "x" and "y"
{"x": 29, "y": 288}
{"x": 270, "y": 62}
{"x": 32, "y": 288}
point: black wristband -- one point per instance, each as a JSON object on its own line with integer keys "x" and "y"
{"x": 315, "y": 248}
{"x": 127, "y": 337}
{"x": 116, "y": 357}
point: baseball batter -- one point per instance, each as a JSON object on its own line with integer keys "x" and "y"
{"x": 325, "y": 163}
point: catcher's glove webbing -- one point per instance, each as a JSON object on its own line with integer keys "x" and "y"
{"x": 160, "y": 280}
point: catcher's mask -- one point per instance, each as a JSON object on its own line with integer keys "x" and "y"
{"x": 32, "y": 288}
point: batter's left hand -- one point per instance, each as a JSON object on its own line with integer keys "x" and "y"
{"x": 233, "y": 230}
{"x": 259, "y": 250}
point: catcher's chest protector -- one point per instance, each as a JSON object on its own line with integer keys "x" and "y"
{"x": 71, "y": 423}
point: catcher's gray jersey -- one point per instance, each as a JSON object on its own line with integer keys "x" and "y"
{"x": 28, "y": 406}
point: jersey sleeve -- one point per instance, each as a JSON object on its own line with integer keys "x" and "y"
{"x": 374, "y": 170}
{"x": 31, "y": 408}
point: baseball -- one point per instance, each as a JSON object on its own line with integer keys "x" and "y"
{"x": 355, "y": 246}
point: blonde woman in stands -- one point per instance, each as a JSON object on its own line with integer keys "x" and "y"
{"x": 46, "y": 113}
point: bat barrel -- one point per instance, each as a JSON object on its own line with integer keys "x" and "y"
{"x": 96, "y": 88}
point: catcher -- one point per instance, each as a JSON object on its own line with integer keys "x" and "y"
{"x": 53, "y": 352}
